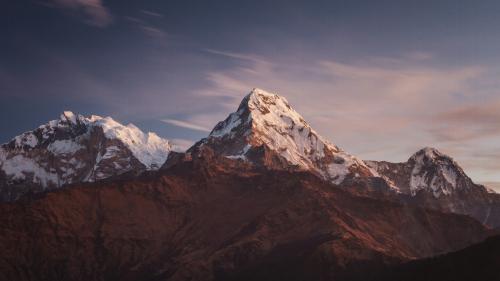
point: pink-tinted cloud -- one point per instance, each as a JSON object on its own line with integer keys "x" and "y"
{"x": 186, "y": 124}
{"x": 351, "y": 96}
{"x": 468, "y": 122}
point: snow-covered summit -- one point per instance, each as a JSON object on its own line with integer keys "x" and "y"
{"x": 75, "y": 148}
{"x": 430, "y": 153}
{"x": 148, "y": 148}
{"x": 267, "y": 120}
{"x": 434, "y": 180}
{"x": 434, "y": 171}
{"x": 427, "y": 170}
{"x": 70, "y": 117}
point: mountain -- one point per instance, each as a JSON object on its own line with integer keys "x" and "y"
{"x": 216, "y": 218}
{"x": 428, "y": 170}
{"x": 76, "y": 149}
{"x": 265, "y": 130}
{"x": 434, "y": 180}
{"x": 263, "y": 197}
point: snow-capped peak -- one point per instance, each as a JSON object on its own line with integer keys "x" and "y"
{"x": 148, "y": 148}
{"x": 261, "y": 111}
{"x": 427, "y": 170}
{"x": 430, "y": 153}
{"x": 75, "y": 148}
{"x": 69, "y": 117}
{"x": 267, "y": 119}
{"x": 436, "y": 171}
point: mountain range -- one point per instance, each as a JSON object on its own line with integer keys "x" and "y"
{"x": 262, "y": 197}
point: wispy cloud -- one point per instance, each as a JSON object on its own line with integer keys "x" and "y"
{"x": 248, "y": 57}
{"x": 331, "y": 87}
{"x": 419, "y": 55}
{"x": 147, "y": 28}
{"x": 152, "y": 31}
{"x": 134, "y": 20}
{"x": 468, "y": 122}
{"x": 93, "y": 12}
{"x": 152, "y": 14}
{"x": 186, "y": 124}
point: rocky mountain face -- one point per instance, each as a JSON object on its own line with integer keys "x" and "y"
{"x": 216, "y": 218}
{"x": 434, "y": 180}
{"x": 76, "y": 149}
{"x": 265, "y": 130}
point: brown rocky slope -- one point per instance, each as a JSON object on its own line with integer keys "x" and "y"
{"x": 213, "y": 218}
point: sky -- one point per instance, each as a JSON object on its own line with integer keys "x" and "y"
{"x": 380, "y": 79}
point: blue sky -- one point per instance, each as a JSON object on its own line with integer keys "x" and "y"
{"x": 380, "y": 79}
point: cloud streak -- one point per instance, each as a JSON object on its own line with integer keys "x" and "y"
{"x": 152, "y": 14}
{"x": 93, "y": 12}
{"x": 469, "y": 122}
{"x": 186, "y": 124}
{"x": 147, "y": 28}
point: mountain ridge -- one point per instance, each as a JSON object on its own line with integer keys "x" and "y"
{"x": 73, "y": 149}
{"x": 434, "y": 180}
{"x": 428, "y": 170}
{"x": 215, "y": 218}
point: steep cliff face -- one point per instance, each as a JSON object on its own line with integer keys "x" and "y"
{"x": 75, "y": 149}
